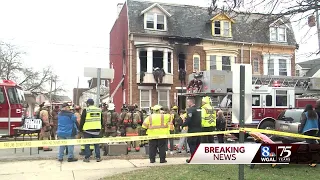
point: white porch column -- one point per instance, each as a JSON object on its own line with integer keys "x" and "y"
{"x": 138, "y": 61}
{"x": 165, "y": 60}
{"x": 149, "y": 60}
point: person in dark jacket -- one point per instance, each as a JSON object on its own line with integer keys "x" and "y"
{"x": 67, "y": 129}
{"x": 193, "y": 121}
{"x": 309, "y": 123}
{"x": 221, "y": 125}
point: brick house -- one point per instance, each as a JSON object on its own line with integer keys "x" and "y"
{"x": 147, "y": 35}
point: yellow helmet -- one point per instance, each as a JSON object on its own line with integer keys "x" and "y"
{"x": 71, "y": 107}
{"x": 156, "y": 107}
{"x": 175, "y": 107}
{"x": 206, "y": 99}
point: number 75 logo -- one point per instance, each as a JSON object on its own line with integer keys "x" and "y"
{"x": 285, "y": 149}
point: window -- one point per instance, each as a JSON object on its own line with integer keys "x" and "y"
{"x": 226, "y": 63}
{"x": 160, "y": 22}
{"x": 213, "y": 63}
{"x": 182, "y": 61}
{"x": 278, "y": 34}
{"x": 2, "y": 98}
{"x": 226, "y": 28}
{"x": 157, "y": 59}
{"x": 217, "y": 28}
{"x": 145, "y": 99}
{"x": 163, "y": 98}
{"x": 255, "y": 100}
{"x": 143, "y": 61}
{"x": 270, "y": 67}
{"x": 150, "y": 21}
{"x": 221, "y": 28}
{"x": 268, "y": 100}
{"x": 294, "y": 114}
{"x": 281, "y": 98}
{"x": 283, "y": 67}
{"x": 13, "y": 96}
{"x": 169, "y": 62}
{"x": 155, "y": 21}
{"x": 297, "y": 72}
{"x": 196, "y": 63}
{"x": 256, "y": 65}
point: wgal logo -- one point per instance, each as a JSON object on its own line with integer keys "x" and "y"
{"x": 285, "y": 154}
{"x": 267, "y": 155}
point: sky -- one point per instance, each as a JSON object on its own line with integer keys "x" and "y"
{"x": 73, "y": 34}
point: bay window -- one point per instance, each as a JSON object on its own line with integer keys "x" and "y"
{"x": 270, "y": 67}
{"x": 283, "y": 67}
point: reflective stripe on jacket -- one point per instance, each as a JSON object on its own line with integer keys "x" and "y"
{"x": 93, "y": 118}
{"x": 157, "y": 124}
{"x": 208, "y": 115}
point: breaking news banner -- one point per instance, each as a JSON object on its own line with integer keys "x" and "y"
{"x": 256, "y": 154}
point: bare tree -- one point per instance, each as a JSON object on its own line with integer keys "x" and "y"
{"x": 11, "y": 67}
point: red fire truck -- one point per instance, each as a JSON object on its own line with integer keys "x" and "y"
{"x": 270, "y": 95}
{"x": 11, "y": 107}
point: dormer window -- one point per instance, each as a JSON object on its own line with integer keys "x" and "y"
{"x": 155, "y": 21}
{"x": 278, "y": 34}
{"x": 221, "y": 25}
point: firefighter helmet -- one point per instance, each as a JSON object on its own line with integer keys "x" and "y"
{"x": 156, "y": 107}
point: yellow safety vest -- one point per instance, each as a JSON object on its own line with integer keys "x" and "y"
{"x": 93, "y": 118}
{"x": 171, "y": 122}
{"x": 185, "y": 116}
{"x": 157, "y": 124}
{"x": 208, "y": 116}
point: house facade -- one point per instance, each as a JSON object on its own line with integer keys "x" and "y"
{"x": 175, "y": 38}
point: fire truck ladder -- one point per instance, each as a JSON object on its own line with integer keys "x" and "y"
{"x": 301, "y": 84}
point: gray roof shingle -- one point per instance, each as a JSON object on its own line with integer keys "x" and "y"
{"x": 194, "y": 22}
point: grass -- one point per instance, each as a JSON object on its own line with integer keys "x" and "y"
{"x": 221, "y": 172}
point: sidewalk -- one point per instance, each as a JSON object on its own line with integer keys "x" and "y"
{"x": 52, "y": 169}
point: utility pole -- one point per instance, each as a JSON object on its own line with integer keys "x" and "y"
{"x": 98, "y": 86}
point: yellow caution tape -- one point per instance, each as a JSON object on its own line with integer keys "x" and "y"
{"x": 43, "y": 143}
{"x": 279, "y": 133}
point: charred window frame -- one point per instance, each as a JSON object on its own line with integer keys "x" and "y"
{"x": 169, "y": 62}
{"x": 181, "y": 61}
{"x": 143, "y": 60}
{"x": 157, "y": 59}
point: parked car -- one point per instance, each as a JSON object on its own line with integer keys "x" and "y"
{"x": 289, "y": 121}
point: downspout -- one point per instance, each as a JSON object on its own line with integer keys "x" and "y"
{"x": 130, "y": 68}
{"x": 242, "y": 53}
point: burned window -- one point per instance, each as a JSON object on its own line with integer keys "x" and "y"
{"x": 169, "y": 62}
{"x": 143, "y": 61}
{"x": 182, "y": 61}
{"x": 157, "y": 59}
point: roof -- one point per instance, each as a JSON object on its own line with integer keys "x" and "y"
{"x": 313, "y": 66}
{"x": 59, "y": 98}
{"x": 194, "y": 22}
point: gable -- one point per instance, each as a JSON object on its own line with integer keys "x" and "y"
{"x": 279, "y": 23}
{"x": 222, "y": 17}
{"x": 156, "y": 8}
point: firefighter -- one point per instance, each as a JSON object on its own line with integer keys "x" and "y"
{"x": 157, "y": 124}
{"x": 143, "y": 131}
{"x": 80, "y": 135}
{"x": 208, "y": 119}
{"x": 111, "y": 121}
{"x": 131, "y": 121}
{"x": 46, "y": 127}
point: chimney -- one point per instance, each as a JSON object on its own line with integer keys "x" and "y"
{"x": 119, "y": 7}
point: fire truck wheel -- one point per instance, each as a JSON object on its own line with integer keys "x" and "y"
{"x": 268, "y": 125}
